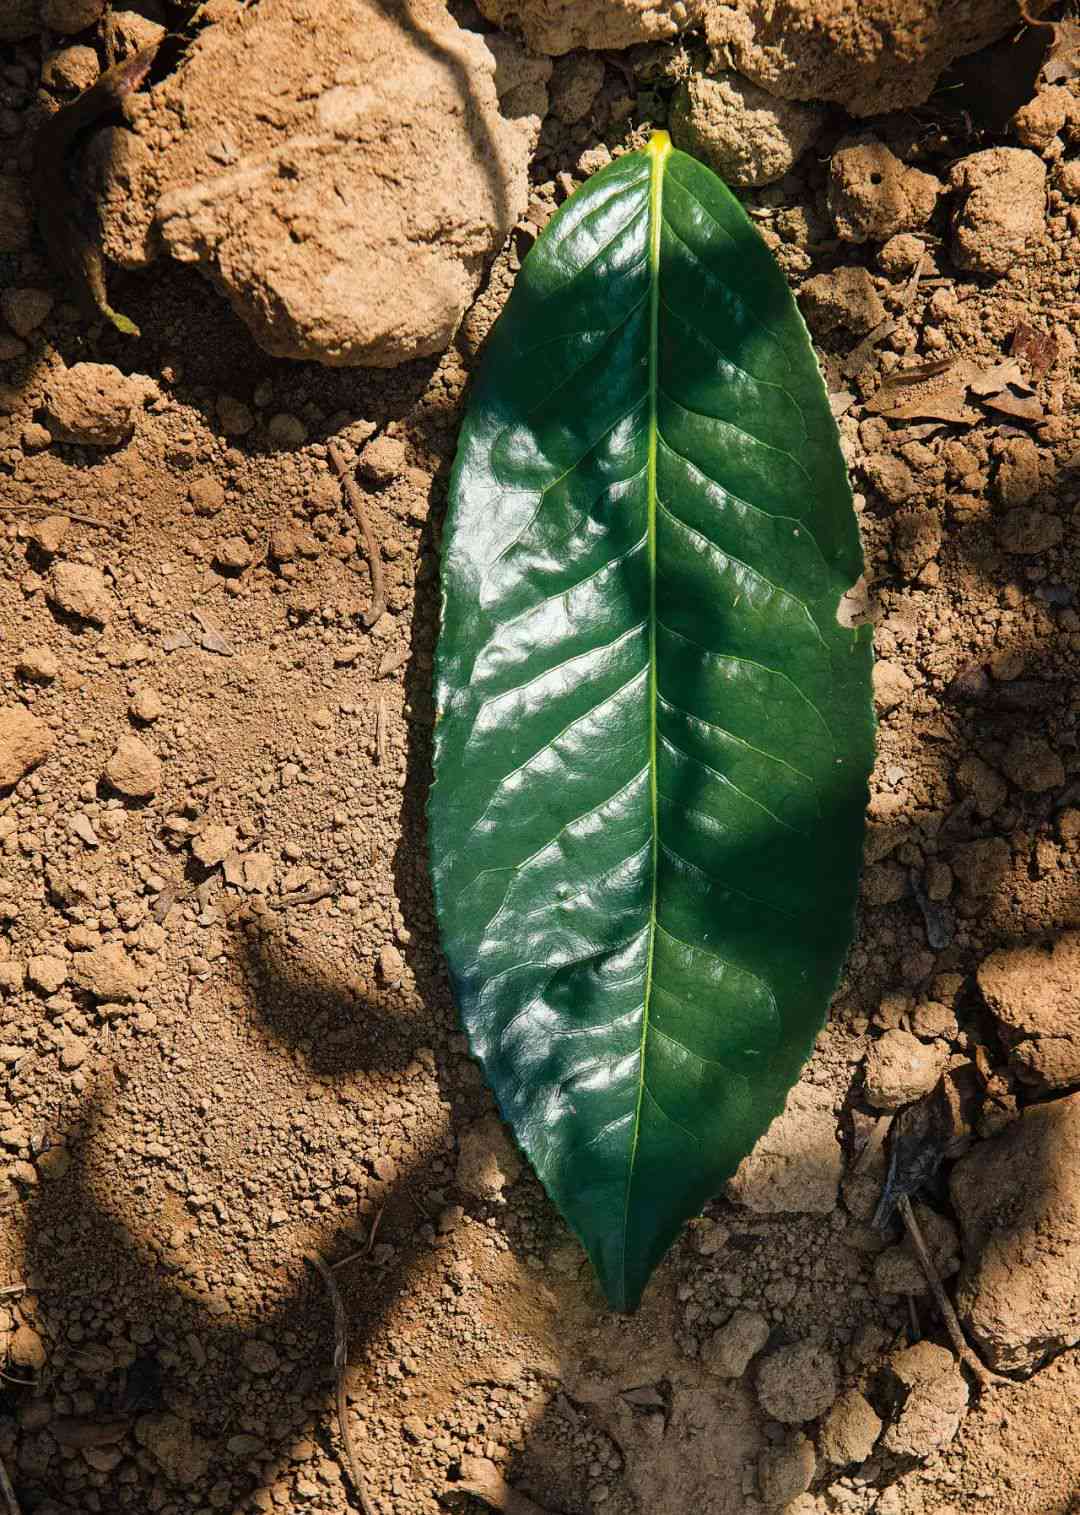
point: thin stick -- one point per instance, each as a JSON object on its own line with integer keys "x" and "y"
{"x": 956, "y": 1335}
{"x": 381, "y": 748}
{"x": 7, "y": 1491}
{"x": 19, "y": 1288}
{"x": 71, "y": 515}
{"x": 341, "y": 1357}
{"x": 371, "y": 547}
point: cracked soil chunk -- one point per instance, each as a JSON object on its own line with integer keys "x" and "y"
{"x": 25, "y": 741}
{"x": 866, "y": 55}
{"x": 930, "y": 1398}
{"x": 556, "y": 26}
{"x": 1002, "y": 208}
{"x": 874, "y": 196}
{"x": 797, "y": 1383}
{"x": 348, "y": 222}
{"x": 745, "y": 135}
{"x": 1017, "y": 1197}
{"x": 900, "y": 1068}
{"x": 1033, "y": 992}
{"x": 91, "y": 403}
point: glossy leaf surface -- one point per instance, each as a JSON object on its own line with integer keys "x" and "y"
{"x": 653, "y": 736}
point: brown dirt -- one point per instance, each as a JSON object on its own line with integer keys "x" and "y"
{"x": 226, "y": 1029}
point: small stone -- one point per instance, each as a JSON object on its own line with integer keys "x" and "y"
{"x": 133, "y": 770}
{"x": 845, "y": 299}
{"x": 70, "y": 16}
{"x": 258, "y": 872}
{"x": 72, "y": 1053}
{"x": 929, "y": 1397}
{"x": 234, "y": 416}
{"x": 786, "y": 1470}
{"x": 730, "y": 1349}
{"x": 930, "y": 1020}
{"x": 39, "y": 664}
{"x": 213, "y": 845}
{"x": 91, "y": 403}
{"x": 891, "y": 685}
{"x": 986, "y": 787}
{"x": 25, "y": 309}
{"x": 183, "y": 1457}
{"x": 797, "y": 1383}
{"x": 233, "y": 554}
{"x": 1019, "y": 474}
{"x": 285, "y": 430}
{"x": 890, "y": 477}
{"x": 26, "y": 1350}
{"x": 450, "y": 1218}
{"x": 1033, "y": 992}
{"x": 900, "y": 255}
{"x": 900, "y": 1068}
{"x": 107, "y": 973}
{"x": 25, "y": 741}
{"x": 146, "y": 704}
{"x": 1027, "y": 532}
{"x": 49, "y": 533}
{"x": 206, "y": 494}
{"x": 79, "y": 589}
{"x": 49, "y": 974}
{"x": 873, "y": 195}
{"x": 487, "y": 1160}
{"x": 12, "y": 974}
{"x": 747, "y": 136}
{"x": 284, "y": 544}
{"x": 1032, "y": 764}
{"x": 383, "y": 460}
{"x": 897, "y": 1273}
{"x": 1038, "y": 123}
{"x": 796, "y": 1166}
{"x": 70, "y": 70}
{"x": 850, "y": 1430}
{"x": 391, "y": 965}
{"x": 259, "y": 1357}
{"x": 1001, "y": 211}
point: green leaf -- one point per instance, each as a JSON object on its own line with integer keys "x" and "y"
{"x": 653, "y": 735}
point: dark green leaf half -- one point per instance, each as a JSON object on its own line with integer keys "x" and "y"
{"x": 653, "y": 737}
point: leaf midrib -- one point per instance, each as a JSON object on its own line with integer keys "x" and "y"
{"x": 659, "y": 150}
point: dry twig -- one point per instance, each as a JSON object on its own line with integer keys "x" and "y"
{"x": 382, "y": 749}
{"x": 52, "y": 510}
{"x": 7, "y": 1491}
{"x": 341, "y": 1357}
{"x": 956, "y": 1335}
{"x": 371, "y": 547}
